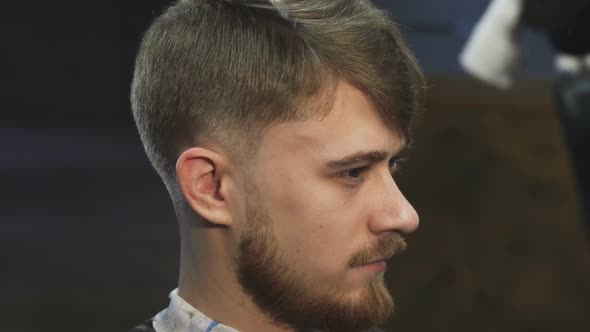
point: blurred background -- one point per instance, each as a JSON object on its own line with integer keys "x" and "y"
{"x": 88, "y": 238}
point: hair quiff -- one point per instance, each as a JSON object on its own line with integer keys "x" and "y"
{"x": 226, "y": 70}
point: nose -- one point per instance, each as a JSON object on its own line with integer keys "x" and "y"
{"x": 392, "y": 211}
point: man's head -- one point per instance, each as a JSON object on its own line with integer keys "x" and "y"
{"x": 278, "y": 126}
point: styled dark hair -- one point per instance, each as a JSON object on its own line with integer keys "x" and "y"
{"x": 227, "y": 70}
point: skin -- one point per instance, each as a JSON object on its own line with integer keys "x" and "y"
{"x": 320, "y": 216}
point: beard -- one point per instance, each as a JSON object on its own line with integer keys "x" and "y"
{"x": 291, "y": 298}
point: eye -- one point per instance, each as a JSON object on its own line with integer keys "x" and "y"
{"x": 354, "y": 174}
{"x": 394, "y": 165}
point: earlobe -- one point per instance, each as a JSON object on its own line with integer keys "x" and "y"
{"x": 200, "y": 173}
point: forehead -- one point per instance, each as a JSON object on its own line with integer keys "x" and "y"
{"x": 352, "y": 125}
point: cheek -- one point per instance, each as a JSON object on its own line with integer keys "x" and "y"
{"x": 318, "y": 231}
{"x": 317, "y": 222}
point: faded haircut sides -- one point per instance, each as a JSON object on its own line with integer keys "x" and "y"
{"x": 228, "y": 69}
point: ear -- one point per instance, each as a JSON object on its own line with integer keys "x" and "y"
{"x": 202, "y": 174}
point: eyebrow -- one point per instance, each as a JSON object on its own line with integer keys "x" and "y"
{"x": 370, "y": 157}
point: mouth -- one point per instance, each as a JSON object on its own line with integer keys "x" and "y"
{"x": 375, "y": 266}
{"x": 375, "y": 258}
{"x": 384, "y": 259}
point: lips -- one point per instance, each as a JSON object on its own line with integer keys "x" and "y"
{"x": 375, "y": 266}
{"x": 381, "y": 251}
{"x": 378, "y": 260}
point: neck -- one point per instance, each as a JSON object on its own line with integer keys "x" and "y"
{"x": 209, "y": 283}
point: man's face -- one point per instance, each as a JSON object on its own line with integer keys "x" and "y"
{"x": 316, "y": 216}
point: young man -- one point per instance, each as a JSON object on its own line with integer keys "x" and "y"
{"x": 276, "y": 127}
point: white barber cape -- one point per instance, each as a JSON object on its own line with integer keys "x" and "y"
{"x": 180, "y": 316}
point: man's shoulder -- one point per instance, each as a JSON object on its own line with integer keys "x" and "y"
{"x": 146, "y": 326}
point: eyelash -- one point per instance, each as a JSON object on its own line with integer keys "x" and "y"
{"x": 393, "y": 167}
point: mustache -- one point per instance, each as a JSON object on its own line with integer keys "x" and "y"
{"x": 385, "y": 248}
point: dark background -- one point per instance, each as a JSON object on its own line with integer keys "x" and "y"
{"x": 88, "y": 239}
